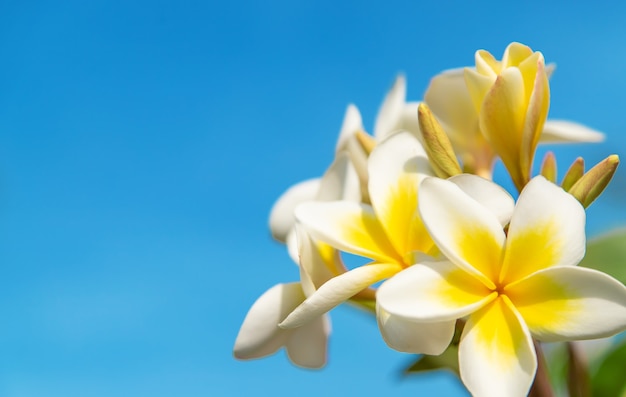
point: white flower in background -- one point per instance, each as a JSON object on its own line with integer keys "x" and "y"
{"x": 449, "y": 99}
{"x": 390, "y": 231}
{"x": 340, "y": 182}
{"x": 350, "y": 160}
{"x": 510, "y": 288}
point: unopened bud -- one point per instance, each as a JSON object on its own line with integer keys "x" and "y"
{"x": 593, "y": 183}
{"x": 437, "y": 144}
{"x": 548, "y": 167}
{"x": 573, "y": 174}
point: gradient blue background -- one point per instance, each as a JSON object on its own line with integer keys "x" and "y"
{"x": 143, "y": 143}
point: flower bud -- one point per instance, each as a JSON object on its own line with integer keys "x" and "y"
{"x": 593, "y": 183}
{"x": 437, "y": 144}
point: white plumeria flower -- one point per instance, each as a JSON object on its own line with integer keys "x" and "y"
{"x": 390, "y": 232}
{"x": 306, "y": 346}
{"x": 449, "y": 99}
{"x": 509, "y": 287}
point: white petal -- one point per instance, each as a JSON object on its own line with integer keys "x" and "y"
{"x": 562, "y": 131}
{"x": 496, "y": 353}
{"x": 259, "y": 334}
{"x": 547, "y": 229}
{"x": 466, "y": 232}
{"x": 281, "y": 217}
{"x": 352, "y": 123}
{"x": 319, "y": 262}
{"x": 438, "y": 291}
{"x": 308, "y": 345}
{"x": 449, "y": 99}
{"x": 413, "y": 337}
{"x": 396, "y": 167}
{"x": 340, "y": 182}
{"x": 348, "y": 226}
{"x": 408, "y": 120}
{"x": 391, "y": 109}
{"x": 338, "y": 290}
{"x": 490, "y": 195}
{"x": 569, "y": 303}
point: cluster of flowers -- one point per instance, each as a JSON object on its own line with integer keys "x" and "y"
{"x": 453, "y": 250}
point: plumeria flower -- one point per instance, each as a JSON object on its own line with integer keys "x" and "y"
{"x": 449, "y": 99}
{"x": 306, "y": 346}
{"x": 509, "y": 287}
{"x": 390, "y": 232}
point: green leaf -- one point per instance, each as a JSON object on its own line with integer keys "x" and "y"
{"x": 556, "y": 360}
{"x": 609, "y": 380}
{"x": 448, "y": 360}
{"x": 607, "y": 253}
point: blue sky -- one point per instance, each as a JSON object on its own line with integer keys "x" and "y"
{"x": 142, "y": 145}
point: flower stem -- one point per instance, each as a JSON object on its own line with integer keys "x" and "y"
{"x": 541, "y": 386}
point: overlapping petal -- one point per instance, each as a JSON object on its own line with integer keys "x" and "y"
{"x": 466, "y": 232}
{"x": 496, "y": 354}
{"x": 338, "y": 290}
{"x": 503, "y": 114}
{"x": 414, "y": 337}
{"x": 569, "y": 303}
{"x": 435, "y": 291}
{"x": 491, "y": 196}
{"x": 308, "y": 345}
{"x": 547, "y": 229}
{"x": 259, "y": 334}
{"x": 282, "y": 219}
{"x": 348, "y": 226}
{"x": 318, "y": 261}
{"x": 536, "y": 83}
{"x": 396, "y": 167}
{"x": 449, "y": 99}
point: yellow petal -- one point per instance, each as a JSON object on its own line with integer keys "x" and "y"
{"x": 515, "y": 54}
{"x": 348, "y": 226}
{"x": 569, "y": 303}
{"x": 396, "y": 168}
{"x": 547, "y": 229}
{"x": 433, "y": 292}
{"x": 466, "y": 232}
{"x": 502, "y": 121}
{"x": 496, "y": 354}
